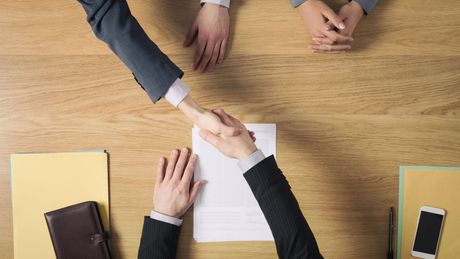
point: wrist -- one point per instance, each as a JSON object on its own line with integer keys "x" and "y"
{"x": 357, "y": 7}
{"x": 246, "y": 152}
{"x": 165, "y": 218}
{"x": 191, "y": 109}
{"x": 167, "y": 213}
{"x": 306, "y": 6}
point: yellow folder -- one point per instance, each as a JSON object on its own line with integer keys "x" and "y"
{"x": 49, "y": 181}
{"x": 431, "y": 186}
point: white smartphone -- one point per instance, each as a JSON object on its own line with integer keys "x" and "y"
{"x": 428, "y": 233}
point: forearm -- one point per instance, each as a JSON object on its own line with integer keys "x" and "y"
{"x": 190, "y": 108}
{"x": 159, "y": 240}
{"x": 293, "y": 236}
{"x": 112, "y": 22}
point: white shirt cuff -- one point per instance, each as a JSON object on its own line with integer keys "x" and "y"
{"x": 225, "y": 3}
{"x": 165, "y": 218}
{"x": 177, "y": 92}
{"x": 251, "y": 160}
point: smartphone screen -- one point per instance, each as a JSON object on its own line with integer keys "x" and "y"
{"x": 428, "y": 230}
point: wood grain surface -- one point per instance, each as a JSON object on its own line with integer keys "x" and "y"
{"x": 345, "y": 122}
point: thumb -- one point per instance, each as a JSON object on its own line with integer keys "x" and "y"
{"x": 329, "y": 25}
{"x": 209, "y": 137}
{"x": 195, "y": 190}
{"x": 223, "y": 116}
{"x": 229, "y": 131}
{"x": 334, "y": 18}
{"x": 191, "y": 35}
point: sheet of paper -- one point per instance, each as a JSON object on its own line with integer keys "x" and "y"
{"x": 226, "y": 209}
{"x": 49, "y": 181}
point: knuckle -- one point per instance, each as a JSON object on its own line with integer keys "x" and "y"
{"x": 202, "y": 37}
{"x": 178, "y": 191}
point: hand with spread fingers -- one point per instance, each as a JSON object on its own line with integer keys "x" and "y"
{"x": 175, "y": 190}
{"x": 212, "y": 25}
{"x": 316, "y": 15}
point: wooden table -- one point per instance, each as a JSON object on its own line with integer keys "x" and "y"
{"x": 345, "y": 122}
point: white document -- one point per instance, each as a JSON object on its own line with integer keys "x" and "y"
{"x": 226, "y": 209}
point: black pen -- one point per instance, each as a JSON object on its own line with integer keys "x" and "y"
{"x": 390, "y": 235}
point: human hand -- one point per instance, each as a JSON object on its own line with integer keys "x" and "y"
{"x": 212, "y": 24}
{"x": 316, "y": 14}
{"x": 351, "y": 13}
{"x": 174, "y": 193}
{"x": 238, "y": 147}
{"x": 206, "y": 119}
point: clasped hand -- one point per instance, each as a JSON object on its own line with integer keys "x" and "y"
{"x": 330, "y": 32}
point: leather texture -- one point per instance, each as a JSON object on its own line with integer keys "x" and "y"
{"x": 77, "y": 233}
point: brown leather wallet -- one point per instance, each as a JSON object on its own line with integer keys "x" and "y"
{"x": 77, "y": 233}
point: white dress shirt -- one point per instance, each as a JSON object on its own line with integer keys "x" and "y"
{"x": 165, "y": 218}
{"x": 177, "y": 92}
{"x": 251, "y": 161}
{"x": 225, "y": 3}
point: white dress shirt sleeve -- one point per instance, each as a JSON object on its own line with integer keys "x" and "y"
{"x": 165, "y": 218}
{"x": 251, "y": 160}
{"x": 225, "y": 3}
{"x": 177, "y": 92}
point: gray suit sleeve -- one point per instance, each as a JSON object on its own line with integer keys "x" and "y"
{"x": 296, "y": 3}
{"x": 113, "y": 23}
{"x": 367, "y": 5}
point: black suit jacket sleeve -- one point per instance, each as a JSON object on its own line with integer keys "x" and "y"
{"x": 293, "y": 237}
{"x": 112, "y": 22}
{"x": 159, "y": 240}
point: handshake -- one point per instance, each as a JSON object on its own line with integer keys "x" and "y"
{"x": 174, "y": 190}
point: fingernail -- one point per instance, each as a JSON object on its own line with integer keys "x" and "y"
{"x": 184, "y": 149}
{"x": 341, "y": 26}
{"x": 174, "y": 152}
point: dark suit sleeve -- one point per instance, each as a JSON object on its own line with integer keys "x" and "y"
{"x": 159, "y": 240}
{"x": 112, "y": 22}
{"x": 293, "y": 237}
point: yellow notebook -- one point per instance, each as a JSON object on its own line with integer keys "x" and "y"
{"x": 432, "y": 186}
{"x": 49, "y": 181}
